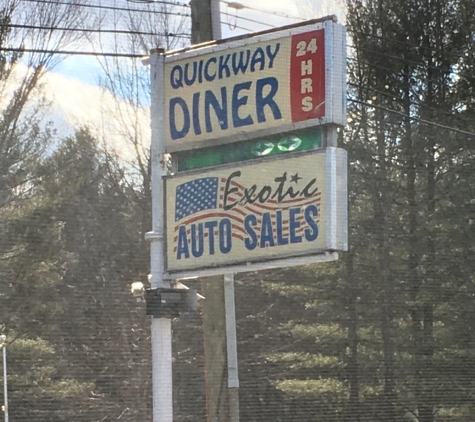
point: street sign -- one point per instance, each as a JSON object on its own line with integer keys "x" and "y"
{"x": 286, "y": 206}
{"x": 246, "y": 88}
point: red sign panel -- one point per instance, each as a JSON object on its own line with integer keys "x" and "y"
{"x": 307, "y": 76}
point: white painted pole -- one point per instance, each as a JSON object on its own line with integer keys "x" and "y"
{"x": 231, "y": 344}
{"x": 161, "y": 327}
{"x": 162, "y": 370}
{"x": 5, "y": 378}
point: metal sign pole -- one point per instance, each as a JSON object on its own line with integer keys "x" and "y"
{"x": 5, "y": 382}
{"x": 231, "y": 346}
{"x": 161, "y": 327}
{"x": 3, "y": 338}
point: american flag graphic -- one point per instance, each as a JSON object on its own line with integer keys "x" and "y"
{"x": 202, "y": 200}
{"x": 195, "y": 196}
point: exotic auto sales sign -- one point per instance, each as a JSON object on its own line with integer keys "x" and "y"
{"x": 269, "y": 209}
{"x": 268, "y": 83}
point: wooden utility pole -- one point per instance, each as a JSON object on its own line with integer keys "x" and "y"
{"x": 205, "y": 21}
{"x": 214, "y": 327}
{"x": 219, "y": 323}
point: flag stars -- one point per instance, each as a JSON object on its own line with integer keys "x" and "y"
{"x": 195, "y": 196}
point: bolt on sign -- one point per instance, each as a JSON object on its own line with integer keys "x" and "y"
{"x": 257, "y": 211}
{"x": 243, "y": 88}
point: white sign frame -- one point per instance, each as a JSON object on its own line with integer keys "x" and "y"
{"x": 335, "y": 85}
{"x": 336, "y": 219}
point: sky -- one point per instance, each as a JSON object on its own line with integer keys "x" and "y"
{"x": 75, "y": 103}
{"x": 256, "y": 15}
{"x": 73, "y": 85}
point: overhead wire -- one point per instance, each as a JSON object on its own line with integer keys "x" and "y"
{"x": 237, "y": 26}
{"x": 394, "y": 40}
{"x": 391, "y": 96}
{"x": 409, "y": 61}
{"x": 72, "y": 52}
{"x": 110, "y": 54}
{"x": 247, "y": 19}
{"x": 401, "y": 72}
{"x": 414, "y": 118}
{"x": 424, "y": 66}
{"x": 100, "y": 31}
{"x": 168, "y": 3}
{"x": 240, "y": 6}
{"x": 451, "y": 71}
{"x": 118, "y": 9}
{"x": 133, "y": 10}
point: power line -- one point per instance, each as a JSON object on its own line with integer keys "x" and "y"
{"x": 411, "y": 45}
{"x": 411, "y": 103}
{"x": 234, "y": 26}
{"x": 100, "y": 31}
{"x": 247, "y": 19}
{"x": 400, "y": 73}
{"x": 239, "y": 6}
{"x": 96, "y": 6}
{"x": 402, "y": 59}
{"x": 108, "y": 54}
{"x": 140, "y": 56}
{"x": 169, "y": 3}
{"x": 448, "y": 113}
{"x": 404, "y": 43}
{"x": 417, "y": 119}
{"x": 73, "y": 53}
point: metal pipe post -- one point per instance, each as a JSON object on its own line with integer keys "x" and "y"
{"x": 231, "y": 344}
{"x": 5, "y": 382}
{"x": 161, "y": 327}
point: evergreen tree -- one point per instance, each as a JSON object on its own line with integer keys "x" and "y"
{"x": 390, "y": 312}
{"x": 102, "y": 330}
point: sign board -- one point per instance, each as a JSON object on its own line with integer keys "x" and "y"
{"x": 268, "y": 83}
{"x": 258, "y": 211}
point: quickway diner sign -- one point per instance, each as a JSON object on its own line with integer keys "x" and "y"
{"x": 268, "y": 83}
{"x": 286, "y": 207}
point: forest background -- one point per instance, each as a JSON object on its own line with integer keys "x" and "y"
{"x": 387, "y": 333}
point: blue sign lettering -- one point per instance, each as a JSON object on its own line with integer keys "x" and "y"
{"x": 276, "y": 232}
{"x": 270, "y": 231}
{"x": 224, "y": 66}
{"x": 267, "y": 235}
{"x": 249, "y": 222}
{"x": 311, "y": 233}
{"x": 265, "y": 90}
{"x": 199, "y": 233}
{"x": 294, "y": 225}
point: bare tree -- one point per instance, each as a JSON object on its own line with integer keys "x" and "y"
{"x": 31, "y": 35}
{"x": 125, "y": 81}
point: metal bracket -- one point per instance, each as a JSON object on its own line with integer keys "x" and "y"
{"x": 171, "y": 303}
{"x": 154, "y": 236}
